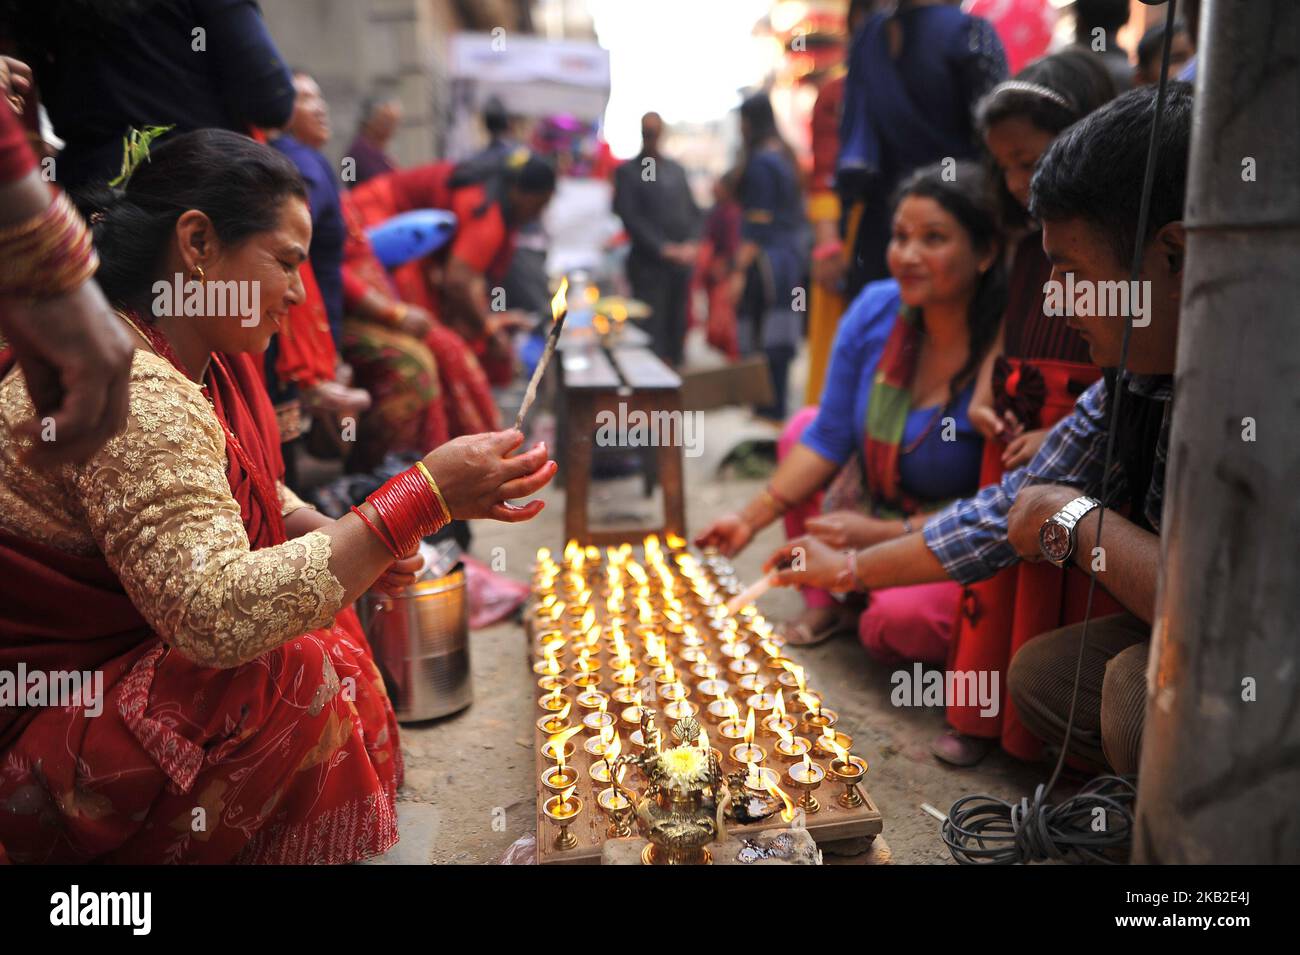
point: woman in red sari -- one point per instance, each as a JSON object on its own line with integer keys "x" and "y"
{"x": 385, "y": 341}
{"x": 241, "y": 717}
{"x": 491, "y": 199}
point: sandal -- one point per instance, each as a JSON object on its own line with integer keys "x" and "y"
{"x": 957, "y": 749}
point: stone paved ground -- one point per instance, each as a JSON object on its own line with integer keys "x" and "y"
{"x": 469, "y": 782}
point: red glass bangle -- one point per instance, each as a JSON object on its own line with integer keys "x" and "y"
{"x": 377, "y": 532}
{"x": 409, "y": 509}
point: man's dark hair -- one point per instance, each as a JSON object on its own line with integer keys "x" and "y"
{"x": 1094, "y": 170}
{"x": 495, "y": 117}
{"x": 1110, "y": 15}
{"x": 1149, "y": 47}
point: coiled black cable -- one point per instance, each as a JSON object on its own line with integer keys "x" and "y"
{"x": 1094, "y": 825}
{"x": 982, "y": 829}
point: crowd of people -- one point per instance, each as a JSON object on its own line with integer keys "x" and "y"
{"x": 941, "y": 490}
{"x": 149, "y": 530}
{"x": 914, "y": 253}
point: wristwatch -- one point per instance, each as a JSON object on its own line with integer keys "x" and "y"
{"x": 1056, "y": 538}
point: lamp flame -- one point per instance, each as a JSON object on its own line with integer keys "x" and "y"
{"x": 841, "y": 753}
{"x": 749, "y": 728}
{"x": 787, "y": 814}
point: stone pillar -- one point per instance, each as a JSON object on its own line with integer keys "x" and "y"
{"x": 1221, "y": 754}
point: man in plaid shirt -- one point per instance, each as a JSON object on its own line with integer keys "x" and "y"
{"x": 1086, "y": 194}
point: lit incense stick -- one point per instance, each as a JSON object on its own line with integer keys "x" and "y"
{"x": 751, "y": 593}
{"x": 559, "y": 310}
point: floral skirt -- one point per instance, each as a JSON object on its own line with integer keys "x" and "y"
{"x": 407, "y": 414}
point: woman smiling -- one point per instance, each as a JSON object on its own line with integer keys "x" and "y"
{"x": 892, "y": 437}
{"x": 243, "y": 719}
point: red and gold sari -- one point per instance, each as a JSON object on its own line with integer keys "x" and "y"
{"x": 242, "y": 716}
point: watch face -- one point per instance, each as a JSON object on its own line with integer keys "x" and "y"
{"x": 1055, "y": 541}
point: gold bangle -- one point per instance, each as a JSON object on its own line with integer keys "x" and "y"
{"x": 434, "y": 484}
{"x": 777, "y": 509}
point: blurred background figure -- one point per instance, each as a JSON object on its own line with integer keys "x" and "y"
{"x": 1023, "y": 26}
{"x": 380, "y": 117}
{"x": 768, "y": 274}
{"x": 321, "y": 384}
{"x": 103, "y": 68}
{"x": 653, "y": 198}
{"x": 470, "y": 339}
{"x": 915, "y": 74}
{"x": 829, "y": 258}
{"x": 1149, "y": 47}
{"x": 1096, "y": 27}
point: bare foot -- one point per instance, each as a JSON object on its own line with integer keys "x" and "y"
{"x": 818, "y": 624}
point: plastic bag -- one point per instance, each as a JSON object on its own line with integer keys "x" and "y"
{"x": 523, "y": 851}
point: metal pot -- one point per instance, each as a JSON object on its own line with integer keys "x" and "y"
{"x": 421, "y": 642}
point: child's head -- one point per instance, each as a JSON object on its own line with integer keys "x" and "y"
{"x": 1086, "y": 192}
{"x": 1019, "y": 119}
{"x": 1150, "y": 47}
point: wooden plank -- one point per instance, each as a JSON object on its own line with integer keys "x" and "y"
{"x": 744, "y": 382}
{"x": 643, "y": 370}
{"x": 588, "y": 369}
{"x": 580, "y": 414}
{"x": 582, "y": 405}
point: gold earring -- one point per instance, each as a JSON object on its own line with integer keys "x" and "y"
{"x": 199, "y": 270}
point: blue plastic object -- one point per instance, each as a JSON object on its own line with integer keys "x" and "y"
{"x": 411, "y": 235}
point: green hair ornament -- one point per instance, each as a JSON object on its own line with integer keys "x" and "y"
{"x": 135, "y": 150}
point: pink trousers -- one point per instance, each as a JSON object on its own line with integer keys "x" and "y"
{"x": 900, "y": 624}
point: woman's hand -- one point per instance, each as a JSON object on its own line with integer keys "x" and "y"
{"x": 400, "y": 574}
{"x": 809, "y": 562}
{"x": 736, "y": 287}
{"x": 477, "y": 479}
{"x": 991, "y": 425}
{"x": 729, "y": 534}
{"x": 76, "y": 357}
{"x": 416, "y": 322}
{"x": 1022, "y": 449}
{"x": 845, "y": 530}
{"x": 986, "y": 421}
{"x": 15, "y": 79}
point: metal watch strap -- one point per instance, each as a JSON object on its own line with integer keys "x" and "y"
{"x": 1069, "y": 517}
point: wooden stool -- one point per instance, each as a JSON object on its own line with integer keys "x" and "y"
{"x": 593, "y": 381}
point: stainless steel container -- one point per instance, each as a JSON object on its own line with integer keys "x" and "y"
{"x": 421, "y": 643}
